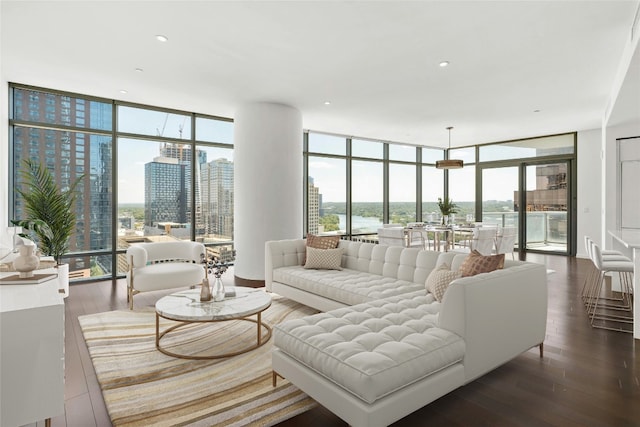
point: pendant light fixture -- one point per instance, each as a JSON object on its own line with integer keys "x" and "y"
{"x": 449, "y": 163}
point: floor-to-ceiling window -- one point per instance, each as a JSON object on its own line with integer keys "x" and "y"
{"x": 327, "y": 184}
{"x": 367, "y": 196}
{"x": 500, "y": 196}
{"x": 367, "y": 187}
{"x": 461, "y": 185}
{"x": 528, "y": 184}
{"x": 432, "y": 185}
{"x": 149, "y": 173}
{"x": 384, "y": 182}
{"x": 72, "y": 136}
{"x": 354, "y": 186}
{"x": 156, "y": 173}
{"x": 403, "y": 184}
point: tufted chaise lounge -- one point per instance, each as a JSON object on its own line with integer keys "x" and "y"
{"x": 396, "y": 348}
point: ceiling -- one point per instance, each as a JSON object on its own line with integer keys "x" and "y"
{"x": 517, "y": 68}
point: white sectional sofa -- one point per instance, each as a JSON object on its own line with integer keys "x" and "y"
{"x": 382, "y": 346}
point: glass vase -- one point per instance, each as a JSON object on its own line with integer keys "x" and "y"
{"x": 217, "y": 290}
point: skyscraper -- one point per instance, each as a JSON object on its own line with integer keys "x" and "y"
{"x": 165, "y": 193}
{"x": 314, "y": 207}
{"x": 182, "y": 152}
{"x": 216, "y": 183}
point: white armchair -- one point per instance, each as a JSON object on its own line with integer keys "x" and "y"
{"x": 164, "y": 265}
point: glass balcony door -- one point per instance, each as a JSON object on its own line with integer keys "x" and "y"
{"x": 534, "y": 198}
{"x": 546, "y": 203}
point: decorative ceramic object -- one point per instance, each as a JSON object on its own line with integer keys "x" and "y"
{"x": 218, "y": 291}
{"x": 27, "y": 261}
{"x": 205, "y": 290}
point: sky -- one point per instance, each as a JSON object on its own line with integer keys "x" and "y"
{"x": 328, "y": 174}
{"x": 329, "y": 177}
{"x": 133, "y": 154}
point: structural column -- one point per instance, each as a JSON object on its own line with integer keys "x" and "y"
{"x": 267, "y": 182}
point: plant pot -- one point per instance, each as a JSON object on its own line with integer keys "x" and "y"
{"x": 63, "y": 278}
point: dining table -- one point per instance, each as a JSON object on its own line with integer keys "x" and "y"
{"x": 444, "y": 236}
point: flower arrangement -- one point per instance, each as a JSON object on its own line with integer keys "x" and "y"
{"x": 447, "y": 207}
{"x": 218, "y": 264}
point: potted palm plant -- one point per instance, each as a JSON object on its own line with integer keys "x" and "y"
{"x": 49, "y": 212}
{"x": 447, "y": 207}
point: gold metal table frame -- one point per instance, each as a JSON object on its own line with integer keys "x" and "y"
{"x": 262, "y": 338}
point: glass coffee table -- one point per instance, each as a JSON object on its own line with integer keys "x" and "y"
{"x": 185, "y": 307}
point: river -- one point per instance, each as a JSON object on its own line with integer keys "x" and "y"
{"x": 360, "y": 224}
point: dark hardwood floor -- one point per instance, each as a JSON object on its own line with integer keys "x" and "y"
{"x": 588, "y": 377}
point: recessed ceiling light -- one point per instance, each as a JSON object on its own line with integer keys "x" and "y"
{"x": 327, "y": 102}
{"x": 444, "y": 63}
{"x": 123, "y": 91}
{"x": 162, "y": 38}
{"x": 139, "y": 70}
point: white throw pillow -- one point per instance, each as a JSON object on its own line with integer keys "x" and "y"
{"x": 323, "y": 259}
{"x": 439, "y": 279}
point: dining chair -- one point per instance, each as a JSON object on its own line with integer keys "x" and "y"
{"x": 392, "y": 236}
{"x": 418, "y": 237}
{"x": 484, "y": 240}
{"x": 505, "y": 240}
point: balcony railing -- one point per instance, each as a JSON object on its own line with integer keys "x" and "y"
{"x": 543, "y": 227}
{"x": 546, "y": 230}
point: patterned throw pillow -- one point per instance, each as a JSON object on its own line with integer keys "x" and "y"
{"x": 439, "y": 279}
{"x": 321, "y": 242}
{"x": 477, "y": 263}
{"x": 324, "y": 259}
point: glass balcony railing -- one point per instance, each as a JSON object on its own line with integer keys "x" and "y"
{"x": 544, "y": 228}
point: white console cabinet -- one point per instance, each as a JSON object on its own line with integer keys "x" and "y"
{"x": 31, "y": 353}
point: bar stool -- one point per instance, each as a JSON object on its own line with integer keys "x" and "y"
{"x": 607, "y": 256}
{"x": 624, "y": 268}
{"x": 593, "y": 274}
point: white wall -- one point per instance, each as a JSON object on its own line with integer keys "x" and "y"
{"x": 621, "y": 119}
{"x": 610, "y": 213}
{"x": 4, "y": 151}
{"x": 589, "y": 209}
{"x": 267, "y": 180}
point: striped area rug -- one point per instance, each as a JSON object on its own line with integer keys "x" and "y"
{"x": 143, "y": 387}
